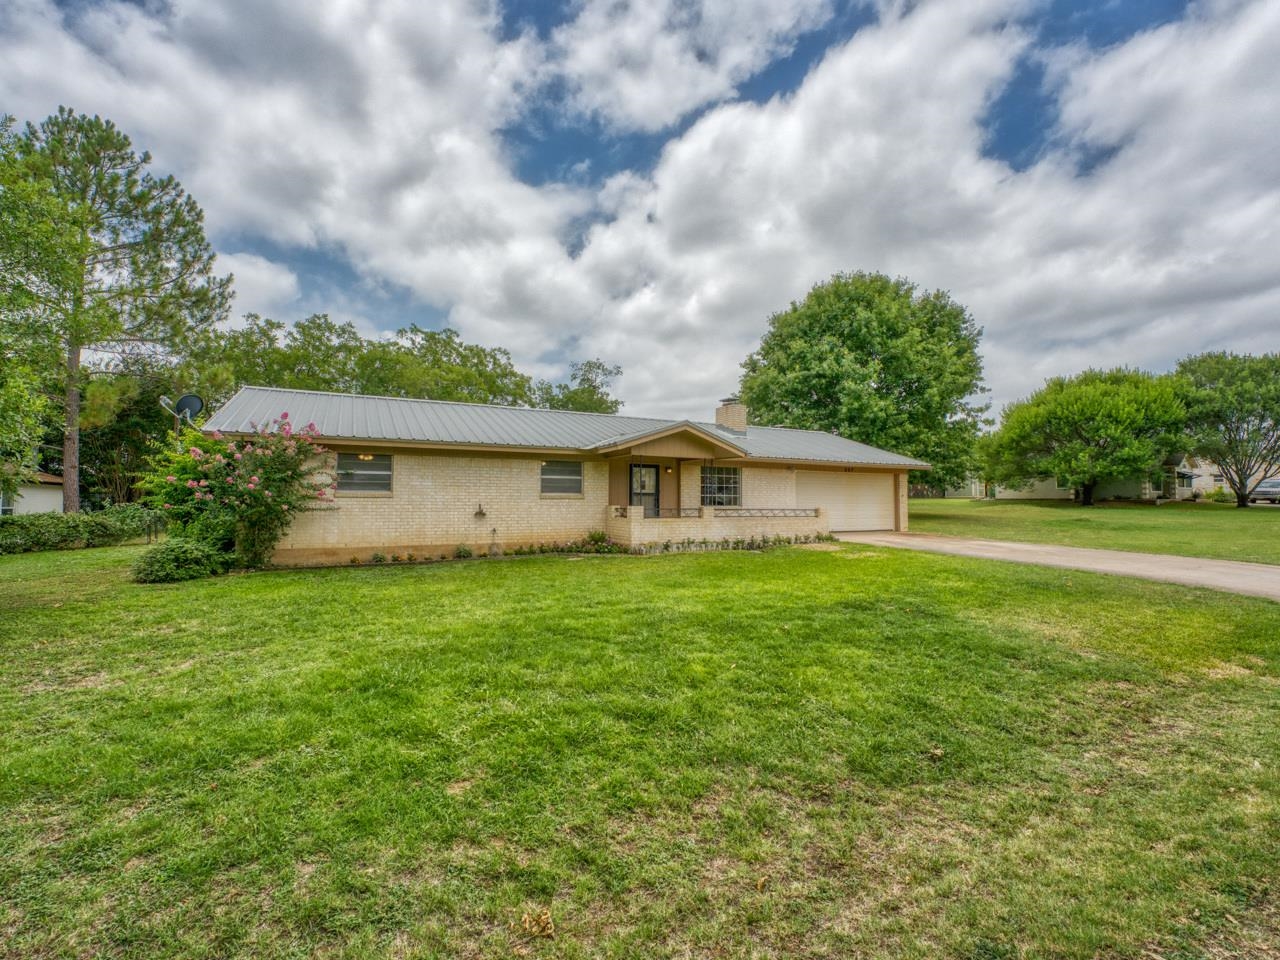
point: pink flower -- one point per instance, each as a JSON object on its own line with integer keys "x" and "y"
{"x": 196, "y": 453}
{"x": 251, "y": 486}
{"x": 238, "y": 457}
{"x": 284, "y": 506}
{"x": 219, "y": 458}
{"x": 191, "y": 483}
{"x": 217, "y": 434}
{"x": 231, "y": 480}
{"x": 284, "y": 416}
{"x": 168, "y": 506}
{"x": 204, "y": 483}
{"x": 254, "y": 480}
{"x": 171, "y": 478}
{"x": 286, "y": 430}
{"x": 266, "y": 493}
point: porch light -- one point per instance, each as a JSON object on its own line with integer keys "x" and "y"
{"x": 668, "y": 469}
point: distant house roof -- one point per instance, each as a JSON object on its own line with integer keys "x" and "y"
{"x": 341, "y": 416}
{"x": 50, "y": 478}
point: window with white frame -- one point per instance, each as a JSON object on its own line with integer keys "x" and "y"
{"x": 6, "y": 505}
{"x": 721, "y": 486}
{"x": 364, "y": 473}
{"x": 562, "y": 476}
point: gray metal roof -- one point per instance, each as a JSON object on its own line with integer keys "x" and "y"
{"x": 341, "y": 416}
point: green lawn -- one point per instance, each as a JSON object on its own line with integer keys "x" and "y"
{"x": 1187, "y": 529}
{"x": 803, "y": 753}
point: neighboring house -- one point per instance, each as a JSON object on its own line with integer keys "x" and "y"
{"x": 976, "y": 489}
{"x": 1179, "y": 478}
{"x": 42, "y": 495}
{"x": 425, "y": 476}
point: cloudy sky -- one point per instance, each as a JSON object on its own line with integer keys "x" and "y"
{"x": 1099, "y": 182}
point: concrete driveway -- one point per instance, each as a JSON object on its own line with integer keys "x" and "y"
{"x": 1252, "y": 579}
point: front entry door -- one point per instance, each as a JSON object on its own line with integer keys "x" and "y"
{"x": 644, "y": 488}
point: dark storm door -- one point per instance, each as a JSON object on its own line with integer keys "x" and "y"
{"x": 644, "y": 488}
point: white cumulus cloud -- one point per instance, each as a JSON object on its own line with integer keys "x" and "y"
{"x": 374, "y": 132}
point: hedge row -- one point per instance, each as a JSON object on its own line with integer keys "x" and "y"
{"x": 28, "y": 532}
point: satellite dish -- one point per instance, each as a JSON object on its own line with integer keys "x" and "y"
{"x": 188, "y": 406}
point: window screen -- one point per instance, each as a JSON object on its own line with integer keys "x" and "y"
{"x": 364, "y": 473}
{"x": 721, "y": 487}
{"x": 561, "y": 476}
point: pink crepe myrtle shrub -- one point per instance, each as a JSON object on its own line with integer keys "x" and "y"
{"x": 240, "y": 493}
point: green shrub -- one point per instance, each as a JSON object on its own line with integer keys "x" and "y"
{"x": 29, "y": 532}
{"x": 179, "y": 558}
{"x": 461, "y": 552}
{"x": 1222, "y": 495}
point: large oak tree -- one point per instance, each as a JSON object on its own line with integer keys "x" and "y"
{"x": 877, "y": 360}
{"x": 1233, "y": 405}
{"x": 1096, "y": 426}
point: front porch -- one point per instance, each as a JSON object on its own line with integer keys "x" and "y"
{"x": 638, "y": 526}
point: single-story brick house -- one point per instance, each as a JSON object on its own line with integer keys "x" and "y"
{"x": 425, "y": 476}
{"x": 43, "y": 494}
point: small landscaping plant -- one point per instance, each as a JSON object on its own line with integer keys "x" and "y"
{"x": 180, "y": 558}
{"x": 239, "y": 495}
{"x": 462, "y": 552}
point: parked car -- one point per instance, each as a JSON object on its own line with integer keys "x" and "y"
{"x": 1268, "y": 490}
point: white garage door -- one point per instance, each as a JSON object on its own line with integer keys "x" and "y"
{"x": 853, "y": 501}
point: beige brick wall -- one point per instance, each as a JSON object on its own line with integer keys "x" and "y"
{"x": 432, "y": 509}
{"x": 761, "y": 486}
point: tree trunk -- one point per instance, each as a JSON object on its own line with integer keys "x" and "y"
{"x": 1086, "y": 494}
{"x": 1242, "y": 497}
{"x": 71, "y": 434}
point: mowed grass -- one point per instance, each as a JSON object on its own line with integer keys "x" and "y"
{"x": 801, "y": 753}
{"x": 1215, "y": 530}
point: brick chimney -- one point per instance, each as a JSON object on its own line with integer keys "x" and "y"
{"x": 732, "y": 415}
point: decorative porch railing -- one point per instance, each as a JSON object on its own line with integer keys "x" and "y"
{"x": 693, "y": 513}
{"x": 766, "y": 511}
{"x": 659, "y": 513}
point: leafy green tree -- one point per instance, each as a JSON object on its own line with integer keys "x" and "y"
{"x": 876, "y": 360}
{"x": 122, "y": 423}
{"x": 439, "y": 365}
{"x": 1096, "y": 426}
{"x": 1233, "y": 405}
{"x": 586, "y": 391}
{"x": 22, "y": 411}
{"x": 320, "y": 354}
{"x": 36, "y": 250}
{"x": 140, "y": 271}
